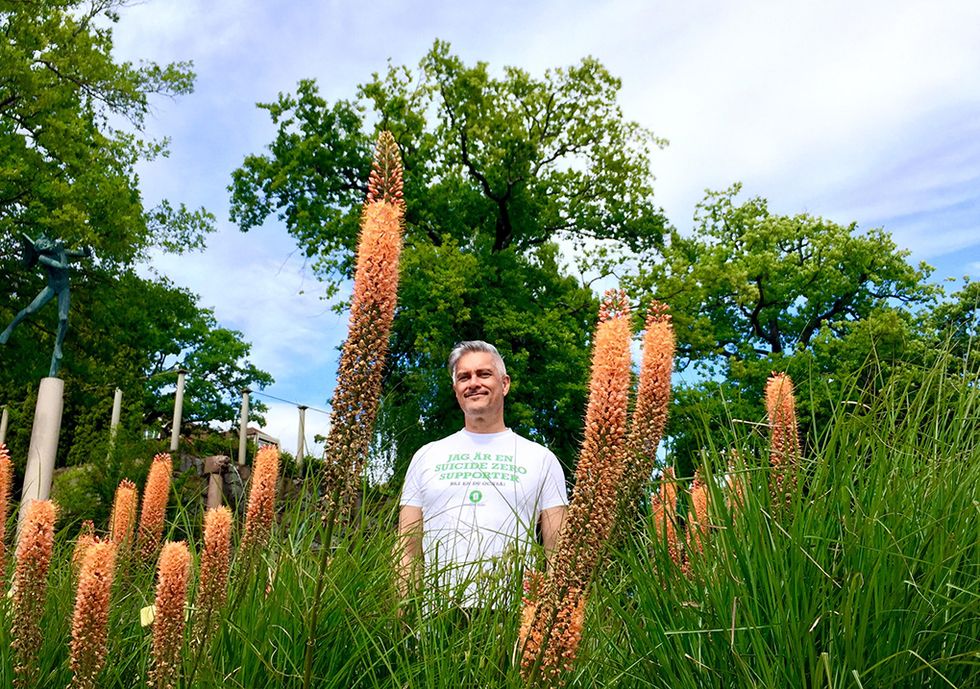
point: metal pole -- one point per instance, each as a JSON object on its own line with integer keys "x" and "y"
{"x": 301, "y": 440}
{"x": 178, "y": 409}
{"x": 242, "y": 428}
{"x": 4, "y": 419}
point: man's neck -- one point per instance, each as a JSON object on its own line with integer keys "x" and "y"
{"x": 484, "y": 424}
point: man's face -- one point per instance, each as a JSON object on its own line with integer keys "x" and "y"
{"x": 480, "y": 389}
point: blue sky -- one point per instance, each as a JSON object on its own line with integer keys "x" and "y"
{"x": 864, "y": 112}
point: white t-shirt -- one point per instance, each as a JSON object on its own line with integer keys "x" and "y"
{"x": 481, "y": 495}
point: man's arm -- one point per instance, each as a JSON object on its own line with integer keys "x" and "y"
{"x": 409, "y": 548}
{"x": 551, "y": 522}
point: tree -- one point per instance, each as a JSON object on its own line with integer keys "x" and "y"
{"x": 752, "y": 292}
{"x": 71, "y": 134}
{"x": 71, "y": 121}
{"x": 497, "y": 169}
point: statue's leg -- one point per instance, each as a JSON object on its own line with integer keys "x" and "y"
{"x": 43, "y": 297}
{"x": 63, "y": 304}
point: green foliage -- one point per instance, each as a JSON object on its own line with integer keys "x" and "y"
{"x": 753, "y": 292}
{"x": 497, "y": 169}
{"x": 71, "y": 123}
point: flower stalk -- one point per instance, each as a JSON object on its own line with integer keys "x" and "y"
{"x": 173, "y": 574}
{"x": 33, "y": 558}
{"x": 261, "y": 511}
{"x": 553, "y": 640}
{"x": 123, "y": 518}
{"x": 649, "y": 416}
{"x": 358, "y": 391}
{"x": 156, "y": 495}
{"x": 784, "y": 438}
{"x": 6, "y": 482}
{"x": 90, "y": 622}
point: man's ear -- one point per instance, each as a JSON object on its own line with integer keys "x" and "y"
{"x": 506, "y": 381}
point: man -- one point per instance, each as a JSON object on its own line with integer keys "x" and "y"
{"x": 476, "y": 497}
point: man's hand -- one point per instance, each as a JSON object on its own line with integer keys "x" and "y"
{"x": 551, "y": 523}
{"x": 408, "y": 550}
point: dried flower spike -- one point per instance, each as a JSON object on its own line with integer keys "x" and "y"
{"x": 90, "y": 623}
{"x": 358, "y": 390}
{"x": 123, "y": 517}
{"x": 156, "y": 494}
{"x": 215, "y": 561}
{"x": 6, "y": 481}
{"x": 261, "y": 498}
{"x": 173, "y": 574}
{"x": 30, "y": 586}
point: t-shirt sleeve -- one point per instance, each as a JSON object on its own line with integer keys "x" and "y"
{"x": 553, "y": 492}
{"x": 412, "y": 489}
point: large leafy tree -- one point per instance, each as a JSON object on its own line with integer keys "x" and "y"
{"x": 498, "y": 167}
{"x": 71, "y": 134}
{"x": 752, "y": 292}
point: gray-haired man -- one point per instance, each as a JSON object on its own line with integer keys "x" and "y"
{"x": 480, "y": 493}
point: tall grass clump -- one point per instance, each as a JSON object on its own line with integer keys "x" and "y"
{"x": 863, "y": 575}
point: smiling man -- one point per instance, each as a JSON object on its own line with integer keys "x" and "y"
{"x": 474, "y": 499}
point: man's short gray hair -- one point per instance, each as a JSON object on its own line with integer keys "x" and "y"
{"x": 475, "y": 346}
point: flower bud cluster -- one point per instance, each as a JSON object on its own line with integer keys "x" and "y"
{"x": 156, "y": 495}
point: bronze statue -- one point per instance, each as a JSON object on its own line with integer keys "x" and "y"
{"x": 52, "y": 254}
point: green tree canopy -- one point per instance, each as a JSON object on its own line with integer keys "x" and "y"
{"x": 753, "y": 292}
{"x": 71, "y": 124}
{"x": 497, "y": 169}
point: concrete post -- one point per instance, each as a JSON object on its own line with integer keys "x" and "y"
{"x": 44, "y": 443}
{"x": 242, "y": 428}
{"x": 178, "y": 409}
{"x": 116, "y": 415}
{"x": 301, "y": 439}
{"x": 4, "y": 418}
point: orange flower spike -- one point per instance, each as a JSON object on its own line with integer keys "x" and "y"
{"x": 261, "y": 498}
{"x": 30, "y": 586}
{"x": 90, "y": 623}
{"x": 652, "y": 400}
{"x": 123, "y": 517}
{"x": 156, "y": 495}
{"x": 358, "y": 390}
{"x": 215, "y": 562}
{"x": 697, "y": 528}
{"x": 173, "y": 574}
{"x": 86, "y": 537}
{"x": 784, "y": 443}
{"x": 553, "y": 639}
{"x": 664, "y": 504}
{"x": 6, "y": 481}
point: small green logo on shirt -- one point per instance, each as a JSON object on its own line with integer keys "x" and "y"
{"x": 476, "y": 496}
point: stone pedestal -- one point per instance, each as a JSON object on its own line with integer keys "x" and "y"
{"x": 44, "y": 442}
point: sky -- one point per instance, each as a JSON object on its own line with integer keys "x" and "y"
{"x": 865, "y": 112}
